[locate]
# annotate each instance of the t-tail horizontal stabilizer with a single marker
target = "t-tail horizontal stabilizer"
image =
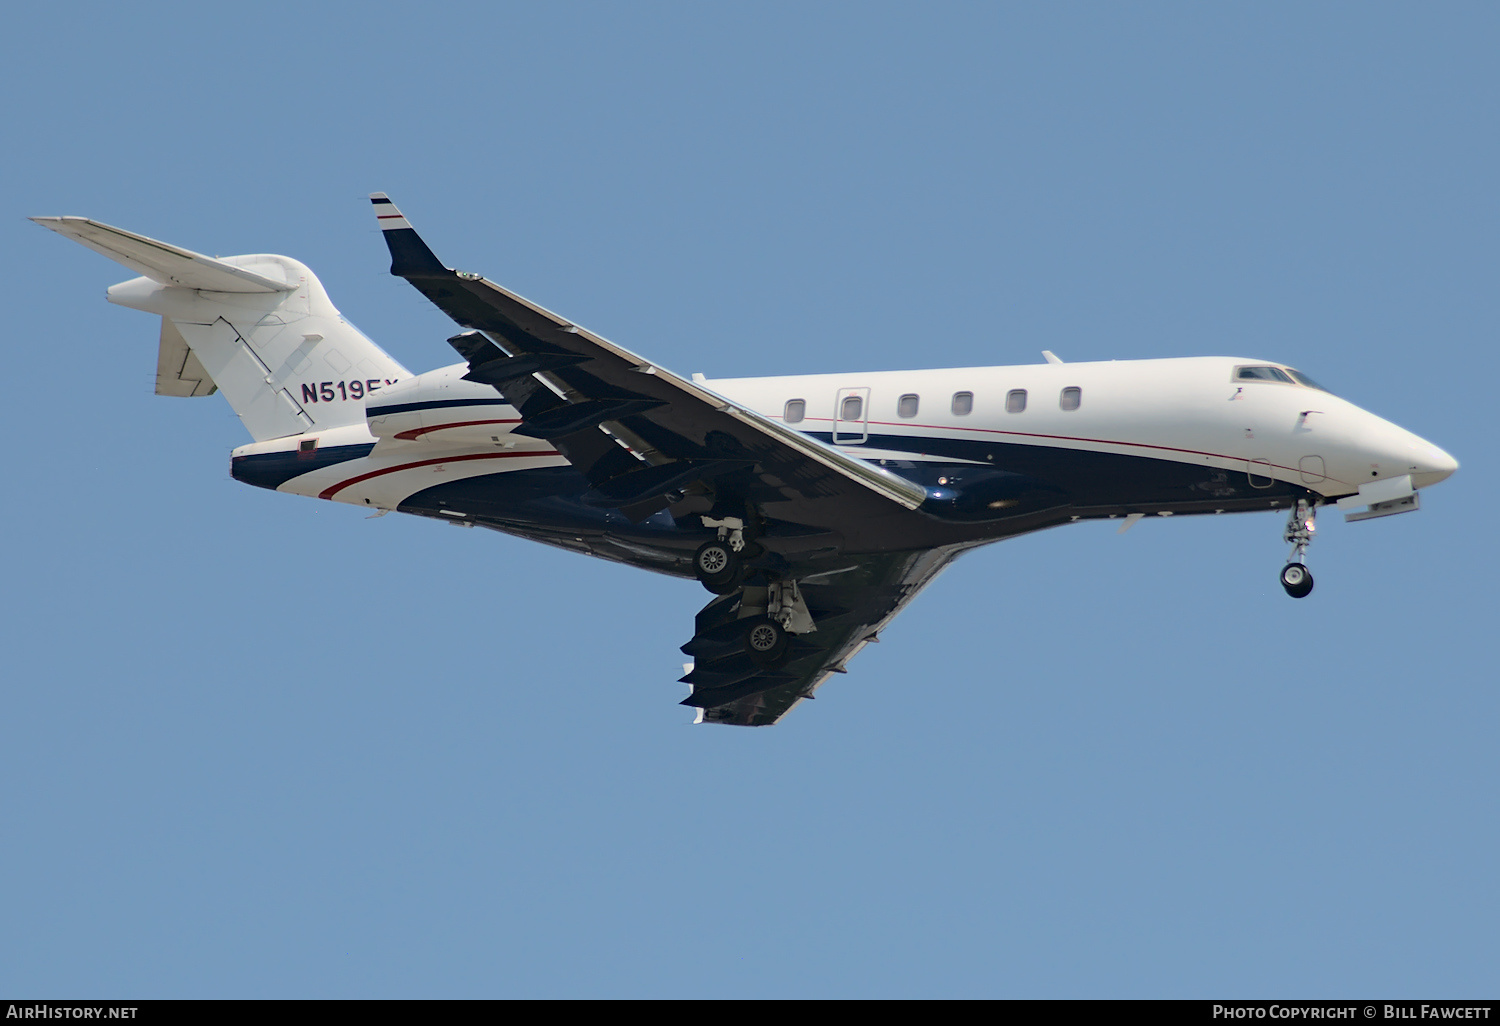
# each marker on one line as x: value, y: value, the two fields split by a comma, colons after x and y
x: 162, y: 263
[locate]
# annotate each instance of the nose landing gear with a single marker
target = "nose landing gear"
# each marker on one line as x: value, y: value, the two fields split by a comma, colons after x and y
x: 1296, y: 578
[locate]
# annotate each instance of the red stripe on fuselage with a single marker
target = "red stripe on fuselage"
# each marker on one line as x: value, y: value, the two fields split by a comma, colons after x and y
x: 330, y: 492
x: 1030, y: 434
x: 416, y: 432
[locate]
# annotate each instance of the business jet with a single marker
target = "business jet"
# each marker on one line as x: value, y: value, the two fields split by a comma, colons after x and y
x: 813, y: 507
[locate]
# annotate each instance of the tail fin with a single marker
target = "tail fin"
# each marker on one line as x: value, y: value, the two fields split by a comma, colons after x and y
x: 258, y: 328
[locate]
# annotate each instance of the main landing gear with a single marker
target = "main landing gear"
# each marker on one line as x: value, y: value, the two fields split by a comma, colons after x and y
x: 770, y: 628
x: 766, y: 641
x: 1296, y: 578
x: 718, y: 564
x: 771, y: 612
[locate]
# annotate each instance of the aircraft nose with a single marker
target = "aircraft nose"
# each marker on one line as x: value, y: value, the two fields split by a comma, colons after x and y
x: 1430, y: 464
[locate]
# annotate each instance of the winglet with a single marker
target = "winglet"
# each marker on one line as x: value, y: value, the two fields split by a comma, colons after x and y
x: 410, y: 257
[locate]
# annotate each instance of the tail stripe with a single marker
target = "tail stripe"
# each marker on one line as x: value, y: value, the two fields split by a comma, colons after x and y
x: 386, y: 213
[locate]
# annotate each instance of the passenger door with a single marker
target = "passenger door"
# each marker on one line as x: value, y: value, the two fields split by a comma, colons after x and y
x: 851, y: 416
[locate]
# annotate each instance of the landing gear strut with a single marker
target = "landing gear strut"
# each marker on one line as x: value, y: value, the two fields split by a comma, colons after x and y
x: 1296, y: 578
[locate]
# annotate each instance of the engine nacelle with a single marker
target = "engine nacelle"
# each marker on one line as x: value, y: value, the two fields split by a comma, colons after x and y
x: 440, y: 406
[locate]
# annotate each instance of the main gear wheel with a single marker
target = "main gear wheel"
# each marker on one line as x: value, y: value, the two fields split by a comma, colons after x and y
x: 767, y: 642
x: 718, y: 567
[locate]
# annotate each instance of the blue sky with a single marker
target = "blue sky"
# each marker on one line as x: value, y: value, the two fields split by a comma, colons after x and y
x: 255, y: 745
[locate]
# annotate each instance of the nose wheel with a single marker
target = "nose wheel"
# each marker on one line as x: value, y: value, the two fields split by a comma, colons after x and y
x: 1296, y: 578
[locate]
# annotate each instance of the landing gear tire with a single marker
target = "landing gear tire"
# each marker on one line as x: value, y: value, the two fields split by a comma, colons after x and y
x: 1297, y: 580
x: 718, y: 567
x: 767, y: 643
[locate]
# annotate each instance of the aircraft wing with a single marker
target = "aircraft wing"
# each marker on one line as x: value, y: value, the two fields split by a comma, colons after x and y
x: 851, y: 605
x: 646, y: 439
x: 662, y: 432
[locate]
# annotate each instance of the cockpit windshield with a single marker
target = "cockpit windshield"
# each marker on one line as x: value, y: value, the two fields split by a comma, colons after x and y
x: 1262, y: 374
x: 1303, y: 379
x: 1285, y: 375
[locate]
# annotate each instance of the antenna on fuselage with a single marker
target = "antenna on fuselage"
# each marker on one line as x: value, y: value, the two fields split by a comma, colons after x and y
x: 1051, y: 356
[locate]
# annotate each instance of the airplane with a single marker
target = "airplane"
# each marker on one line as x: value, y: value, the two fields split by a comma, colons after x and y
x: 812, y: 507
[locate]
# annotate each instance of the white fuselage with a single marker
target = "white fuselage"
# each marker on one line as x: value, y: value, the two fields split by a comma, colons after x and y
x: 1192, y: 411
x: 1189, y: 410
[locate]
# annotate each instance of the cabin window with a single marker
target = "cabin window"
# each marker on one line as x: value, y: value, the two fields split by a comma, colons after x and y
x: 1262, y: 374
x: 963, y: 403
x: 307, y: 448
x: 1015, y: 400
x: 907, y: 407
x: 1071, y: 397
x: 795, y: 410
x: 852, y: 408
